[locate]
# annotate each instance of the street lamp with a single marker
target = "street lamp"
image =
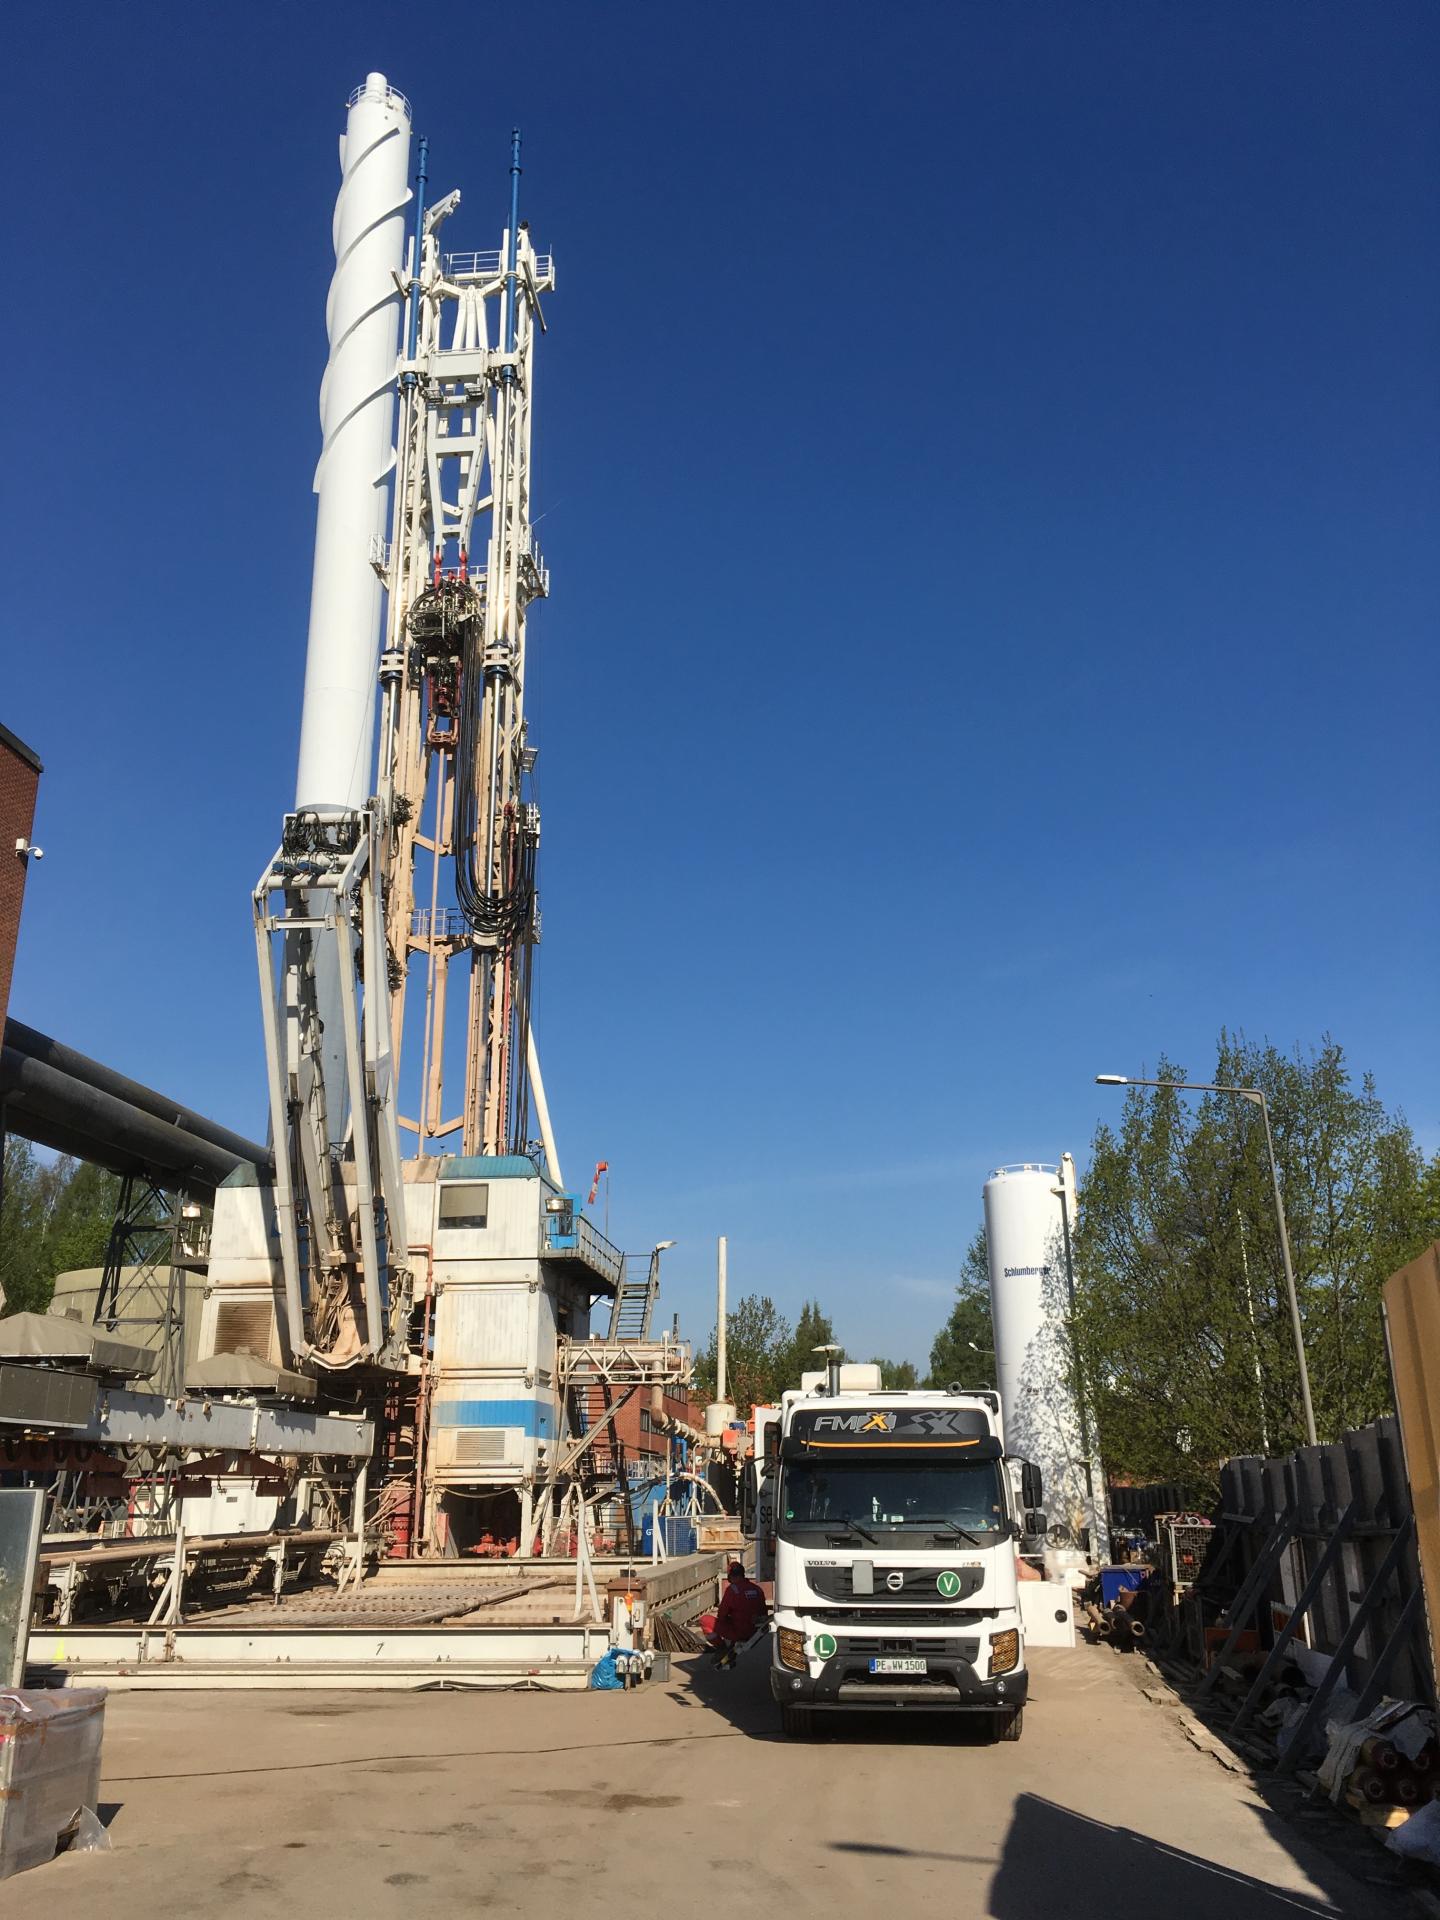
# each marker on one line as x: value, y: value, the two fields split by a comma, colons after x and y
x: 1256, y: 1097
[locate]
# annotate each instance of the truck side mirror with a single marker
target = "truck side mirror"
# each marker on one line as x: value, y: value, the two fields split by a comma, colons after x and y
x: 1032, y: 1485
x: 747, y: 1498
x: 1037, y: 1524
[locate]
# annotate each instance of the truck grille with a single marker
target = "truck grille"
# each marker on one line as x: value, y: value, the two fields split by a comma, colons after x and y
x: 913, y: 1687
x: 869, y: 1648
x: 885, y: 1617
x: 917, y: 1584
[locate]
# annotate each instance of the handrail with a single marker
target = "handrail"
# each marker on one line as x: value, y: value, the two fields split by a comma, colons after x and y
x: 393, y: 98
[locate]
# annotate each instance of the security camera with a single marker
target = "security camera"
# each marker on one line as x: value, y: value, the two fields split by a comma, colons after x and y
x: 24, y: 850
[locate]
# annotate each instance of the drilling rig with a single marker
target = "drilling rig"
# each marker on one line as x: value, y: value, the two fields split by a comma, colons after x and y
x: 449, y: 1290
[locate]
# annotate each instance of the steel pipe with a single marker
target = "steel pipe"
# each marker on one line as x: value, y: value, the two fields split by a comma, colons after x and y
x: 79, y: 1066
x: 58, y: 1110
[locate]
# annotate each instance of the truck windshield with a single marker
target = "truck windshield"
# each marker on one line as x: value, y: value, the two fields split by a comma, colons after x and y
x: 912, y: 1496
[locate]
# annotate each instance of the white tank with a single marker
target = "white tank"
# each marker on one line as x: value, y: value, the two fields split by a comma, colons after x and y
x: 1029, y: 1301
x: 357, y: 419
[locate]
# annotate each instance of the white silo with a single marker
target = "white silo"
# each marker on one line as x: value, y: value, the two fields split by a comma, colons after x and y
x: 1034, y: 1367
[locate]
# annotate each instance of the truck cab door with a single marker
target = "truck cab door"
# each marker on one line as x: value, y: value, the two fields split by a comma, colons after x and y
x: 765, y: 1468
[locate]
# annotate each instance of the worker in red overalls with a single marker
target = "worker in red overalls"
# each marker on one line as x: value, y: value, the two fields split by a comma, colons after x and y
x: 742, y: 1610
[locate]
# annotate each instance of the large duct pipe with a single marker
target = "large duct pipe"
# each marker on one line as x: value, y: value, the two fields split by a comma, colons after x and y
x: 79, y: 1066
x: 667, y: 1422
x: 357, y: 415
x: 59, y: 1110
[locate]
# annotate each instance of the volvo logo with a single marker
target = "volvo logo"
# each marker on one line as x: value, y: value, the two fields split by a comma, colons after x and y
x: 895, y: 1581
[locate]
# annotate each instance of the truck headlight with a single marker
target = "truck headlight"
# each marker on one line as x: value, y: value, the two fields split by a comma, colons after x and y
x: 1004, y: 1652
x: 792, y: 1648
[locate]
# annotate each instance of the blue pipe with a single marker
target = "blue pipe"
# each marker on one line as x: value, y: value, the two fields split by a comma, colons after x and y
x: 514, y: 239
x: 422, y: 178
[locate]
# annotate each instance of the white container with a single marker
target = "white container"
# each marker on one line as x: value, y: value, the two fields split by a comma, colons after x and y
x: 490, y: 1326
x: 718, y: 1416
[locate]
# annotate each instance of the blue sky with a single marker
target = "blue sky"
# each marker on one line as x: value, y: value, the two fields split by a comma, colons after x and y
x: 986, y: 457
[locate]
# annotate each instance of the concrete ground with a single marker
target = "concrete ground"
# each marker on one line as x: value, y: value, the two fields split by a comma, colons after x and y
x: 681, y: 1797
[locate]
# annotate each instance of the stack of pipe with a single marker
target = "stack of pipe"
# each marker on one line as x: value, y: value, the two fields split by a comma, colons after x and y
x: 1385, y: 1777
x: 1115, y: 1623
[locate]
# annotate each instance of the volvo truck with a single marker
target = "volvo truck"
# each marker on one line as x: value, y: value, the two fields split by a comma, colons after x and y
x: 890, y: 1524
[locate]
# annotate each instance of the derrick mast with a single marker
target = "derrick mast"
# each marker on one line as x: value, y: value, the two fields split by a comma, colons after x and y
x: 432, y: 851
x: 456, y: 1283
x: 463, y: 569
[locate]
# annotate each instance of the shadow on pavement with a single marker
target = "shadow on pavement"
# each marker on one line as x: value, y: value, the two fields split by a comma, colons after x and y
x: 741, y: 1695
x: 1052, y: 1859
x: 911, y: 1853
x: 1054, y: 1856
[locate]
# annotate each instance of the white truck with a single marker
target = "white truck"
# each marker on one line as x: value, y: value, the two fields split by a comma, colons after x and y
x: 889, y: 1523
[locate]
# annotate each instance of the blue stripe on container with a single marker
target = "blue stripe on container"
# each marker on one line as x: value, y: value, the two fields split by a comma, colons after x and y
x: 535, y: 1416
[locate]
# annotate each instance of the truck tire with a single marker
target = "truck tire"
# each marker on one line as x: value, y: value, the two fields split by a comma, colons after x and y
x: 797, y: 1722
x: 1009, y: 1725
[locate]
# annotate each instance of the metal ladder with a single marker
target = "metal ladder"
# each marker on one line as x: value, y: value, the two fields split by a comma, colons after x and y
x: 634, y: 1303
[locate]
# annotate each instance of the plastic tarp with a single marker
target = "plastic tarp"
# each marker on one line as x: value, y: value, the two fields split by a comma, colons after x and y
x: 50, y: 1336
x: 49, y: 1770
x: 1419, y: 1837
x: 243, y: 1372
x: 1406, y: 1725
x: 605, y: 1674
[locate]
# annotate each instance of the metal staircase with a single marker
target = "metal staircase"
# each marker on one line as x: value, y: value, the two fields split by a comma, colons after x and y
x: 634, y: 1301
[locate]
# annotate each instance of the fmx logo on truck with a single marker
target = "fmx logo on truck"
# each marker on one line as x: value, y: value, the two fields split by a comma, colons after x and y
x: 926, y: 1426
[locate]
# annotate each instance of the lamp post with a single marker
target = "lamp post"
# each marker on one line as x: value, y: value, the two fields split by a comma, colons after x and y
x: 1256, y: 1097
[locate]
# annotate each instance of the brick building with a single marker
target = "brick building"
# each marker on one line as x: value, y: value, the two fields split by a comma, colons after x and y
x: 19, y: 782
x: 643, y: 1436
x: 645, y: 1446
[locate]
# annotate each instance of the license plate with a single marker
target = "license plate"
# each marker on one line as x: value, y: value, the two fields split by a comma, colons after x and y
x: 898, y: 1666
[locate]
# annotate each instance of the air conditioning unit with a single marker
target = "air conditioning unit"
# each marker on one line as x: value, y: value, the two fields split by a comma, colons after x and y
x: 479, y: 1446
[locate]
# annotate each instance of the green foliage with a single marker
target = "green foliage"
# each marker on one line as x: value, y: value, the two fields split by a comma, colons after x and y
x: 813, y: 1329
x: 54, y: 1217
x: 897, y: 1376
x: 1182, y: 1320
x: 759, y: 1348
x: 954, y: 1356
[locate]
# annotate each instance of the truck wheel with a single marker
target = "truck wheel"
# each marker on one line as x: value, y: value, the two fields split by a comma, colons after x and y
x: 1009, y: 1726
x: 798, y: 1722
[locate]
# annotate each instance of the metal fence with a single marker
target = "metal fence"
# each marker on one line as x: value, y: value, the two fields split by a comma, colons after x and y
x: 1133, y: 1509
